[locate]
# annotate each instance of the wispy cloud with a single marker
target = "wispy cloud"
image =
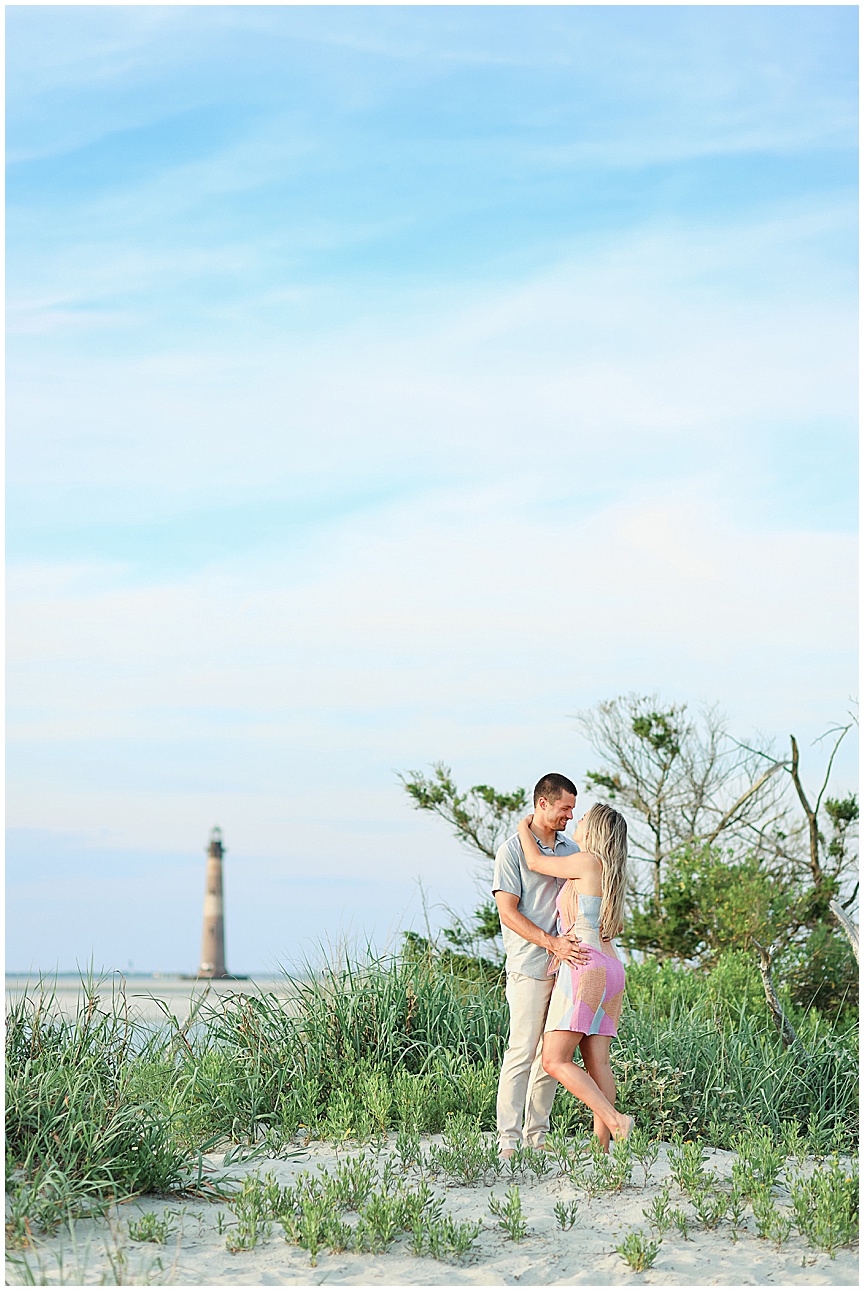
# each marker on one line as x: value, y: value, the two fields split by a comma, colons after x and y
x: 687, y: 338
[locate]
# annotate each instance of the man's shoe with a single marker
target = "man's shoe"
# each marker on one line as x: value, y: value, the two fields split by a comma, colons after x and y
x: 506, y: 1153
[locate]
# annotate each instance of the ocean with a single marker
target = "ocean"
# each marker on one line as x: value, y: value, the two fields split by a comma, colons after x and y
x: 149, y: 995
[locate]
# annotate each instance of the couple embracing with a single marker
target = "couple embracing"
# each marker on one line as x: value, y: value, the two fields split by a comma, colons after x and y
x: 561, y: 903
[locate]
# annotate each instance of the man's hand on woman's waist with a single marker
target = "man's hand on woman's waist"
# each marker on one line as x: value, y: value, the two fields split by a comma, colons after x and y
x: 568, y: 948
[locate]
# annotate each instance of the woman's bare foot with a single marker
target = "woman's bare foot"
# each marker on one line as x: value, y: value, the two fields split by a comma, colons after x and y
x: 626, y: 1124
x: 601, y: 1132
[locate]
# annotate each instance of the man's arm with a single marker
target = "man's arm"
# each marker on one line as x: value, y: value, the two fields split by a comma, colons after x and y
x: 566, y: 948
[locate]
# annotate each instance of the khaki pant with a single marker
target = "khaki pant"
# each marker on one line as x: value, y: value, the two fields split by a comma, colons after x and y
x: 525, y: 1091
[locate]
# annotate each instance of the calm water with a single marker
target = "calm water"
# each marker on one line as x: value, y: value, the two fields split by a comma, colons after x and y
x: 145, y: 993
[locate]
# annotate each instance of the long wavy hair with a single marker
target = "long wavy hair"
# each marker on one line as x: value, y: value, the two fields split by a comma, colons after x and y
x: 606, y: 838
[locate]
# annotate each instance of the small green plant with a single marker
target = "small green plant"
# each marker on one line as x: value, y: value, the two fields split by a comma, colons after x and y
x: 379, y: 1223
x: 313, y: 1225
x: 638, y: 1250
x: 257, y: 1203
x: 710, y: 1206
x: 566, y: 1213
x: 389, y: 1179
x: 443, y: 1238
x: 620, y: 1160
x: 681, y: 1222
x: 346, y: 1116
x: 376, y: 1094
x: 515, y: 1163
x: 759, y: 1160
x: 466, y: 1156
x: 825, y: 1207
x: 558, y: 1147
x: 152, y: 1228
x: 352, y: 1182
x: 408, y: 1148
x: 771, y: 1224
x: 687, y: 1167
x: 658, y: 1213
x: 311, y: 1228
x: 643, y: 1150
x: 247, y: 1234
x: 716, y: 1132
x: 338, y: 1235
x: 264, y: 1198
x: 579, y: 1158
x: 537, y: 1161
x: 794, y: 1144
x: 612, y: 1170
x: 419, y: 1203
x: 509, y: 1214
x: 737, y: 1212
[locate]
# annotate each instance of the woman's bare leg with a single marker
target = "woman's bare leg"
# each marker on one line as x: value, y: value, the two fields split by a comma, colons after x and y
x: 558, y: 1050
x: 595, y: 1055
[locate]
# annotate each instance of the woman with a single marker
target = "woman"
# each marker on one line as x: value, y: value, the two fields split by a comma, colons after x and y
x: 586, y: 1002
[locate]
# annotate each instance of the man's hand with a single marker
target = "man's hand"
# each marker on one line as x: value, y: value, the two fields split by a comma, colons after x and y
x: 568, y: 949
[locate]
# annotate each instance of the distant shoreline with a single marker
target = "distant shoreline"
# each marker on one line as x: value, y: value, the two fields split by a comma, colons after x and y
x: 40, y: 974
x: 149, y: 994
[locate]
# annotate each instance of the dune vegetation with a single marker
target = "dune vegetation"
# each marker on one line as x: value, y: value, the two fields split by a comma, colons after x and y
x: 102, y: 1107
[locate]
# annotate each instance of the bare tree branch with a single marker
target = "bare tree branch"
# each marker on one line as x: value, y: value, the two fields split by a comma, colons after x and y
x: 784, y: 1026
x: 729, y: 816
x: 843, y: 732
x: 810, y: 814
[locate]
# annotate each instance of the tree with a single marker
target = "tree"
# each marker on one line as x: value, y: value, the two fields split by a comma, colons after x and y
x: 481, y: 818
x: 711, y: 901
x: 682, y: 781
x: 829, y: 861
x: 740, y: 856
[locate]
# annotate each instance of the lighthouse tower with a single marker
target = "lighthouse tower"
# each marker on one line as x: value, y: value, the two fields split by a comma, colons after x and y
x: 213, y: 935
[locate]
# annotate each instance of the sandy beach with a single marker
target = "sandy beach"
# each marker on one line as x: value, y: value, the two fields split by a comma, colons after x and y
x: 195, y: 1253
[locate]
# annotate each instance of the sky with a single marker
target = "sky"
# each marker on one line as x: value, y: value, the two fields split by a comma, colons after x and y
x: 388, y: 385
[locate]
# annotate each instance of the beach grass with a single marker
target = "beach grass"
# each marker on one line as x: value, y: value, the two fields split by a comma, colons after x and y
x: 100, y: 1107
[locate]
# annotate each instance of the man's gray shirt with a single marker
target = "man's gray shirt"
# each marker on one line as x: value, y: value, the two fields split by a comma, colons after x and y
x: 536, y: 893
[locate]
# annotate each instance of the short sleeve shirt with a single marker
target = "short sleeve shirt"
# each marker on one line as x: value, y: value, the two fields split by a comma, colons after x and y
x: 536, y: 893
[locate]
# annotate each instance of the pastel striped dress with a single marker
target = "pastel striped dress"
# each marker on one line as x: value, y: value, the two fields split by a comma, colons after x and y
x: 586, y: 997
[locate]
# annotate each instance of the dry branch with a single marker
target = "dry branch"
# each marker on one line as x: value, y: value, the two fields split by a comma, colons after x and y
x: 784, y: 1026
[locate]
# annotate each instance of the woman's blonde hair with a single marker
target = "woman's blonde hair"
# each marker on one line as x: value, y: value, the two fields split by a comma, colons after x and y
x: 606, y: 838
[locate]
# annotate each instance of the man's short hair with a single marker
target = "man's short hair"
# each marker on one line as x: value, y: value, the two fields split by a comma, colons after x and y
x: 552, y: 786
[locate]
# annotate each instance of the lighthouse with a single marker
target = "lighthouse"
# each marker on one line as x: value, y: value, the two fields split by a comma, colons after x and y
x: 213, y: 934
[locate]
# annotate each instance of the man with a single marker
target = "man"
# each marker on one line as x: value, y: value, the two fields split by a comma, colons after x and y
x: 526, y: 905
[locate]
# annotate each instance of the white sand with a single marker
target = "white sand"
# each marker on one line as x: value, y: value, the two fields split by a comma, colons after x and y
x: 582, y: 1255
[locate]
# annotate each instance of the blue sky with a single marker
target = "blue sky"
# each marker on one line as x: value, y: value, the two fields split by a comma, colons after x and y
x: 386, y: 385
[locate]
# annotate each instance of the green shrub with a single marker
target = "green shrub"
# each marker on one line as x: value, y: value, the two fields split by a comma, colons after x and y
x: 825, y: 1206
x: 152, y: 1228
x: 508, y: 1212
x: 639, y: 1251
x: 771, y: 1224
